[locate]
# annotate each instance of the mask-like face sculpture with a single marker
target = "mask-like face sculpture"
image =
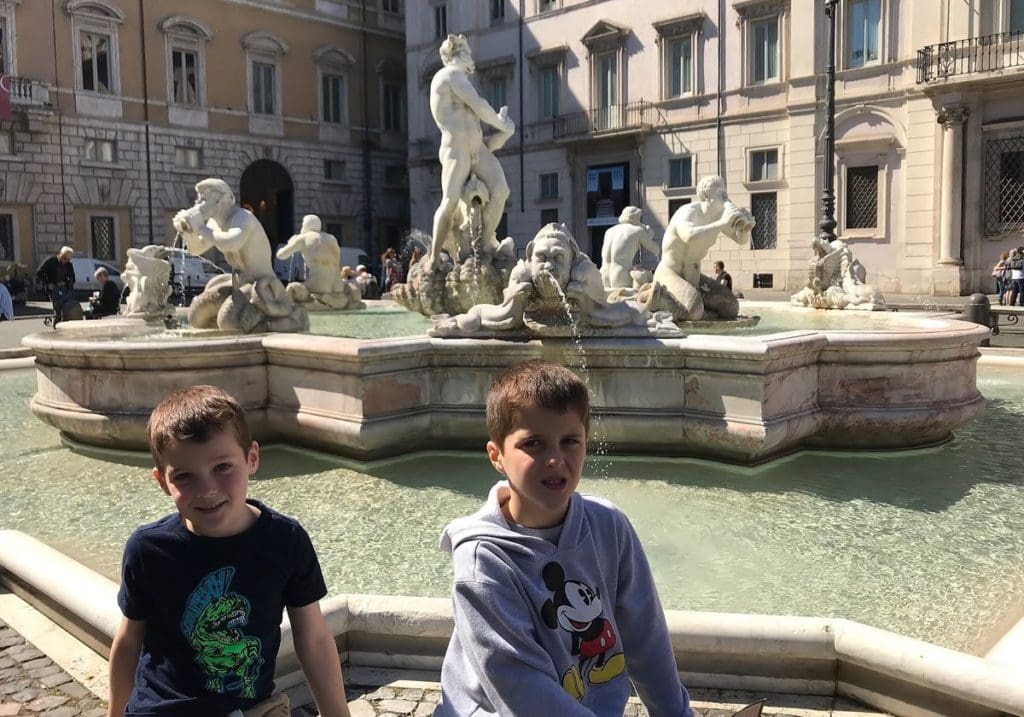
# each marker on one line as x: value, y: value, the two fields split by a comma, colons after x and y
x: 550, y: 263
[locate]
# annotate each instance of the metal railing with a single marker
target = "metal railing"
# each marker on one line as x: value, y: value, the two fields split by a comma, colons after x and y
x: 1000, y: 51
x: 614, y: 118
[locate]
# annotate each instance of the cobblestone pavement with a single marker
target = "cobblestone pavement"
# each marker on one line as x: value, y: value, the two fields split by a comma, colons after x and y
x: 32, y: 684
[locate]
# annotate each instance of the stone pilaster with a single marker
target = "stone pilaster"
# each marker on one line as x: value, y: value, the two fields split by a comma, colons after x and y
x: 952, y: 118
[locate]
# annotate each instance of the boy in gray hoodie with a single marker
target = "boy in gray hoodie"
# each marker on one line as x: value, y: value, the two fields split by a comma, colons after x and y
x: 555, y: 607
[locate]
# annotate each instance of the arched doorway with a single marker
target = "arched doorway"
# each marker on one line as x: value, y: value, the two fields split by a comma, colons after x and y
x: 266, y: 191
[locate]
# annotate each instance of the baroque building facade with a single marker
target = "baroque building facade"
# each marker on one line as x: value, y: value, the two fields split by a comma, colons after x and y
x: 119, y: 107
x: 619, y: 103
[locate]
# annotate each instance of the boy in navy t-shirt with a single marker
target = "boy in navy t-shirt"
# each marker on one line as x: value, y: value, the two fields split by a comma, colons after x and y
x: 203, y: 590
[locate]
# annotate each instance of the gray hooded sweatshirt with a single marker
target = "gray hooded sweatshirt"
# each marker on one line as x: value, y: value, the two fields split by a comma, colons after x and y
x: 544, y: 629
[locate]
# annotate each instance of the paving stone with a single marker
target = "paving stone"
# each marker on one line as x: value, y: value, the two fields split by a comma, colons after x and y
x: 425, y: 709
x: 402, y: 707
x: 361, y: 708
x: 10, y: 683
x: 6, y: 662
x: 9, y: 709
x: 59, y: 678
x: 44, y: 671
x: 381, y: 693
x: 36, y: 664
x: 98, y: 712
x: 26, y: 654
x: 26, y: 695
x: 62, y: 712
x: 47, y: 702
x: 76, y: 691
x: 6, y: 642
x: 410, y: 693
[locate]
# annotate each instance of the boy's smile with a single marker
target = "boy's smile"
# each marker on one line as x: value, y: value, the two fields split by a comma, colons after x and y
x: 209, y: 483
x: 543, y: 459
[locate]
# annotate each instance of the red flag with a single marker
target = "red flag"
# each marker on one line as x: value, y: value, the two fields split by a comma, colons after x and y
x: 5, y: 96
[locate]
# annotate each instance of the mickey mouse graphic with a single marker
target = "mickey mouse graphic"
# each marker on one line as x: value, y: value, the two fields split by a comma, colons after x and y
x: 576, y: 608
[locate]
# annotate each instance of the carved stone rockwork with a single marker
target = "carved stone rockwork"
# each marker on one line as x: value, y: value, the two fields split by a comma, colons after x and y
x: 147, y: 275
x: 836, y: 280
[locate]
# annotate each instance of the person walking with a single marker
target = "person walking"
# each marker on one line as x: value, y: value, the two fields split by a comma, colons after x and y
x: 57, y: 274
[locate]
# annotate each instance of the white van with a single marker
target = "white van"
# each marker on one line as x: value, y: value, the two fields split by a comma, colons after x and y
x: 294, y: 267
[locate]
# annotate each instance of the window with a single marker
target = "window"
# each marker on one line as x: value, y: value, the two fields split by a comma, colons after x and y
x: 7, y: 237
x: 764, y: 207
x: 95, y: 62
x: 1002, y: 16
x: 6, y: 143
x: 332, y: 96
x: 764, y: 50
x: 440, y: 21
x: 1004, y: 185
x: 393, y: 107
x: 186, y: 157
x: 546, y: 5
x: 396, y: 175
x: 186, y: 46
x: 335, y: 228
x: 334, y: 169
x: 548, y: 216
x: 394, y: 7
x: 764, y: 165
x: 607, y: 83
x: 101, y: 237
x: 549, y: 186
x: 100, y: 150
x: 5, y: 63
x: 862, y: 197
x: 863, y: 31
x: 497, y: 90
x: 264, y: 88
x: 675, y: 204
x: 680, y: 67
x: 502, y: 230
x: 680, y: 172
x: 94, y: 44
x: 184, y: 74
x: 497, y: 11
x: 549, y: 91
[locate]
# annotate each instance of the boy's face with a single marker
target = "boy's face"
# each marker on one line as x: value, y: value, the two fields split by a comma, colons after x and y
x: 208, y: 483
x: 543, y: 459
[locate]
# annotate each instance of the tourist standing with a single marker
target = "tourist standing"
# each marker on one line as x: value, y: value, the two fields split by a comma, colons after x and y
x: 722, y: 276
x: 58, y: 276
x: 6, y: 304
x: 1016, y: 290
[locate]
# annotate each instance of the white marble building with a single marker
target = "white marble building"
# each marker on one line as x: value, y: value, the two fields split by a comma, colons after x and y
x: 621, y: 102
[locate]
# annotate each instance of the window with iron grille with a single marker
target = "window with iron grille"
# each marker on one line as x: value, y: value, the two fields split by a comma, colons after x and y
x: 680, y: 172
x: 101, y: 236
x: 549, y: 186
x: 6, y: 237
x: 862, y: 197
x: 1004, y: 185
x: 548, y: 216
x: 764, y: 207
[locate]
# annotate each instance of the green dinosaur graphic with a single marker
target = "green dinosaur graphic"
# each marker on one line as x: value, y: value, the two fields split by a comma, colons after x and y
x: 230, y: 661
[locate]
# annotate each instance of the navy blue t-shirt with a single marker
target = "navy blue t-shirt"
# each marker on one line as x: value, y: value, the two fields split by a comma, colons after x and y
x: 213, y: 610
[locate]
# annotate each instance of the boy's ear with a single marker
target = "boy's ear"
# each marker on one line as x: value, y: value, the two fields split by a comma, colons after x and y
x: 494, y: 453
x: 253, y: 458
x: 161, y: 479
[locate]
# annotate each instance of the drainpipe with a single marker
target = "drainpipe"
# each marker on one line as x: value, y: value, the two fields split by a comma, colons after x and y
x: 60, y: 131
x: 522, y: 116
x: 719, y: 129
x: 145, y: 118
x: 367, y: 164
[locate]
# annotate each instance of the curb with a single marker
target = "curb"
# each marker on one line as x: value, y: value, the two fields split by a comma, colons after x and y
x: 16, y: 353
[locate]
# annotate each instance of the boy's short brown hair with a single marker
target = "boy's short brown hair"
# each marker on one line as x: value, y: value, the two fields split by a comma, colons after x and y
x: 196, y: 413
x: 534, y: 383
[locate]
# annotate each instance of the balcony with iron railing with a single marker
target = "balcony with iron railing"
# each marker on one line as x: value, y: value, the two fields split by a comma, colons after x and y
x: 989, y: 54
x: 614, y: 119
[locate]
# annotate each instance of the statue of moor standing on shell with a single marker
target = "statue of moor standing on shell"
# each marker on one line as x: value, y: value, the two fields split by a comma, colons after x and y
x: 251, y: 299
x: 324, y: 287
x: 474, y: 192
x: 621, y: 243
x: 679, y: 287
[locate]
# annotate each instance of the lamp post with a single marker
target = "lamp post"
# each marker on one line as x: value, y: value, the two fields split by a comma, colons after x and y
x: 827, y: 225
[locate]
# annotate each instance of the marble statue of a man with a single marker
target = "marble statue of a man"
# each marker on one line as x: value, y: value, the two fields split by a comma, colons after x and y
x: 324, y: 287
x: 458, y: 110
x: 251, y: 298
x: 621, y: 243
x: 679, y: 287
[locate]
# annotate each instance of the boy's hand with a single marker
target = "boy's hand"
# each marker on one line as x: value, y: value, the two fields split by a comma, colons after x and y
x: 124, y: 659
x: 318, y: 655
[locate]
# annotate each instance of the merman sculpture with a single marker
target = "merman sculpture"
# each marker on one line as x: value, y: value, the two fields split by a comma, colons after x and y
x: 250, y: 299
x: 324, y: 287
x: 836, y: 280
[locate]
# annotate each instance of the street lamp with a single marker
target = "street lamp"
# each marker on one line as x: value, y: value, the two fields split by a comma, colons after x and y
x: 827, y: 225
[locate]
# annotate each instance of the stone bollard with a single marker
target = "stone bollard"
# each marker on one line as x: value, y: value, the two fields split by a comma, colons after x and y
x: 979, y: 311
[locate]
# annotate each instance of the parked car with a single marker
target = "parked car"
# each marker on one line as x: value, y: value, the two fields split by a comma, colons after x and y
x: 85, y: 280
x: 294, y: 267
x: 192, y: 272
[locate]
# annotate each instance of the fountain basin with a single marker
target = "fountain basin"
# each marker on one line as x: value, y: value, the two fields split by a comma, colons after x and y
x: 908, y: 381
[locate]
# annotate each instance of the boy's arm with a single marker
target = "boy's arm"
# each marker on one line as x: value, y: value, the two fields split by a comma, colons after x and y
x: 641, y: 620
x: 124, y: 659
x: 318, y: 655
x: 511, y: 667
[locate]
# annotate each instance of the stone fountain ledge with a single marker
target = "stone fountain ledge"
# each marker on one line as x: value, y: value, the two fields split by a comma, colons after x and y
x: 909, y: 381
x: 761, y: 653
